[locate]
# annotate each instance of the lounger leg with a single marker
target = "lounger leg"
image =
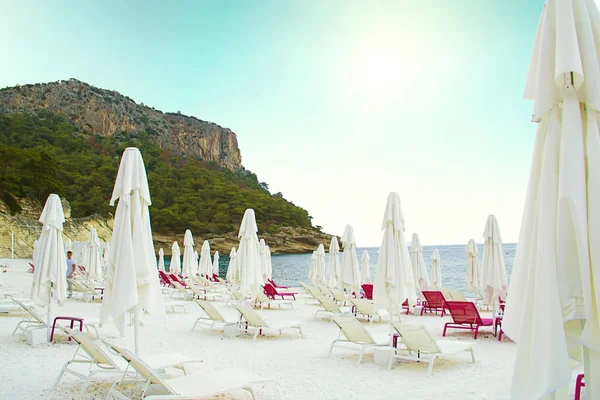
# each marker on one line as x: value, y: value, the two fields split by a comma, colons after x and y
x: 249, y: 390
x: 195, y: 323
x: 301, y: 333
x: 472, y: 355
x: 256, y: 334
x: 431, y: 365
x: 331, y: 347
x: 362, y: 353
x: 445, y: 327
x: 62, y: 372
x: 85, y: 385
x: 476, y: 332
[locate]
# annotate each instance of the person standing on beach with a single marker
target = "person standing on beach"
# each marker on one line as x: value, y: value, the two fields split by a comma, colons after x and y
x: 70, y: 270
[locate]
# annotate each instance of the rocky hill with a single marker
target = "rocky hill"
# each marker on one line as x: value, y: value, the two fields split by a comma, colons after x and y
x: 106, y: 113
x: 66, y: 137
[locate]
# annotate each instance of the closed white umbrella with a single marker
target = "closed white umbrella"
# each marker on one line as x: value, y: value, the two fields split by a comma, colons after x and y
x: 68, y: 245
x: 248, y: 259
x: 320, y: 263
x: 131, y: 278
x: 35, y: 242
x: 94, y: 267
x: 49, y: 277
x: 472, y: 266
x: 394, y: 281
x: 205, y: 265
x: 215, y: 266
x: 312, y: 271
x: 493, y: 282
x: 262, y: 251
x: 553, y: 303
x: 197, y: 261
x: 161, y: 259
x: 105, y: 253
x: 334, y: 265
x: 189, y: 266
x: 350, y: 267
x: 175, y: 265
x: 232, y: 270
x: 269, y: 264
x: 365, y: 268
x: 436, y: 269
x: 418, y: 264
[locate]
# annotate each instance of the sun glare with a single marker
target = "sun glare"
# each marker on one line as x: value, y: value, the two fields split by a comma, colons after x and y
x: 385, y: 71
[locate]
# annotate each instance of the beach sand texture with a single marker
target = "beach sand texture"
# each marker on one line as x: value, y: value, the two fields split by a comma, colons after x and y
x: 300, y: 367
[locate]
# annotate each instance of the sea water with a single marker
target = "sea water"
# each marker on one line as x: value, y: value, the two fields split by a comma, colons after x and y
x: 289, y: 269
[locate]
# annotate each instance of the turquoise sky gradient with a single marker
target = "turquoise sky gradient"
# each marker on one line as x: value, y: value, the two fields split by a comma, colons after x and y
x: 335, y: 103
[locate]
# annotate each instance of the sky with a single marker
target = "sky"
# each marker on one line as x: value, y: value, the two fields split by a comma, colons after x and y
x: 335, y: 103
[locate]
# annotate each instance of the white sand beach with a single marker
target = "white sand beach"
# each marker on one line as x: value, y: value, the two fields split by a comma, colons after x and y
x: 300, y: 367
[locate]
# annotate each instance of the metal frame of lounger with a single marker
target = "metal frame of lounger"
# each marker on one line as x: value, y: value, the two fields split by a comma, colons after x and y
x: 366, y: 309
x: 417, y: 339
x: 311, y: 292
x: 92, y: 355
x: 30, y: 320
x: 173, y: 388
x: 262, y: 300
x: 255, y: 321
x: 356, y: 335
x: 329, y: 306
x: 214, y: 316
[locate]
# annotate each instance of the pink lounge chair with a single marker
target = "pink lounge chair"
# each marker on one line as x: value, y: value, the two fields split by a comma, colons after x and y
x: 164, y: 279
x: 271, y: 292
x: 434, y: 302
x: 579, y: 383
x: 272, y: 282
x: 368, y: 289
x: 31, y: 269
x: 465, y: 316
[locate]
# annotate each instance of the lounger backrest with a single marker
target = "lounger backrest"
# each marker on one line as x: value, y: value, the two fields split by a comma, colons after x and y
x: 237, y: 294
x: 210, y: 310
x: 30, y: 311
x: 364, y: 306
x: 91, y: 348
x: 147, y: 374
x: 464, y: 312
x: 175, y: 278
x: 324, y: 290
x: 417, y: 338
x: 251, y: 316
x: 261, y: 298
x: 270, y: 289
x: 328, y: 304
x: 368, y: 288
x: 353, y: 330
x: 179, y: 287
x: 435, y: 299
x: 338, y: 294
x: 446, y: 294
x: 457, y: 295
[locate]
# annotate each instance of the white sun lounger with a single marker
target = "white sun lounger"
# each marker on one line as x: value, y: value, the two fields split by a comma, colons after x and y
x: 422, y: 346
x: 255, y: 321
x: 204, y: 384
x: 365, y: 308
x: 31, y: 319
x: 355, y: 335
x: 330, y: 307
x: 211, y: 316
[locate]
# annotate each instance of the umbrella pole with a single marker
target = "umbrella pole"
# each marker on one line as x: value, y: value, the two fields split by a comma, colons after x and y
x: 136, y: 327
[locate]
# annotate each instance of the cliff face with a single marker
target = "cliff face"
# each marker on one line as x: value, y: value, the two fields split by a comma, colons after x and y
x: 106, y: 113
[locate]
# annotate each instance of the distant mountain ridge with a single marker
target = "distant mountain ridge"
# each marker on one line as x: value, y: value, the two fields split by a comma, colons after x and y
x: 107, y: 113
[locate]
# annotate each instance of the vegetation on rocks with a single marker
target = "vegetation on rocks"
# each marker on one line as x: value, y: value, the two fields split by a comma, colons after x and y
x: 45, y: 153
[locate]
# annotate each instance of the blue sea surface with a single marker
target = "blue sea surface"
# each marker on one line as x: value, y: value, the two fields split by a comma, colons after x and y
x: 289, y: 269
